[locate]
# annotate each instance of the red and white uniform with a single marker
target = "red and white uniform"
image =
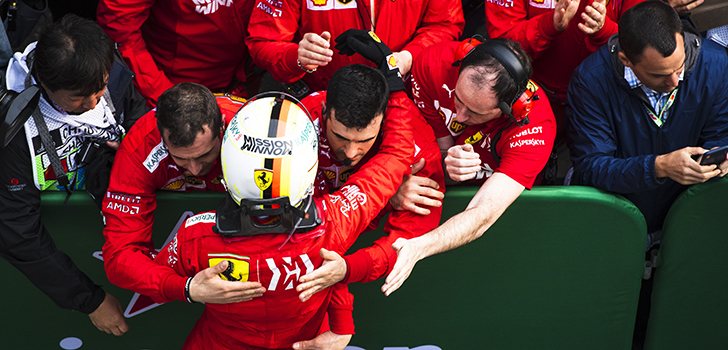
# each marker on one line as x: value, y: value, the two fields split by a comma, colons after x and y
x: 555, y: 55
x: 278, y: 318
x: 276, y: 27
x: 142, y: 167
x: 172, y: 41
x: 376, y: 261
x: 523, y: 150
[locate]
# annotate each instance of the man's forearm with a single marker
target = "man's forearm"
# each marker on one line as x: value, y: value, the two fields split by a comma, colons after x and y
x: 457, y: 231
x: 488, y: 204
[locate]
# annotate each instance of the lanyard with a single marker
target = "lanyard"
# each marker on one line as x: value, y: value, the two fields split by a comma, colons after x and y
x: 660, y: 119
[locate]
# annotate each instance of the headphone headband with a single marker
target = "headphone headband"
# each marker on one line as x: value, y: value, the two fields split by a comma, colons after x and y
x: 513, y: 65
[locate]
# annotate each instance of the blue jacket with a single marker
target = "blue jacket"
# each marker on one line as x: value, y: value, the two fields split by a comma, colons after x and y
x: 614, y: 143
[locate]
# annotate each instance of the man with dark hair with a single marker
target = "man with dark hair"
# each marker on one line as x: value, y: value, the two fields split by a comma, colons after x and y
x: 645, y: 107
x: 80, y: 107
x: 175, y: 148
x: 187, y: 116
x: 358, y: 94
x: 185, y: 111
x: 349, y: 125
x: 496, y: 127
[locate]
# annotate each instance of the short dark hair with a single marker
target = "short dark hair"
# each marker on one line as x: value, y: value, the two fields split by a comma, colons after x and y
x: 73, y: 54
x: 358, y: 94
x: 505, y: 86
x: 184, y: 110
x: 651, y: 23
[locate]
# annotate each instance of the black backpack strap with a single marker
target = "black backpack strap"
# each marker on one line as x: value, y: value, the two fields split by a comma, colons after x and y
x: 50, y: 148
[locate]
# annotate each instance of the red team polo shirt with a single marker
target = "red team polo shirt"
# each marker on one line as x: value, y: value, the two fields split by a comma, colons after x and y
x: 277, y: 26
x: 378, y: 260
x: 523, y: 150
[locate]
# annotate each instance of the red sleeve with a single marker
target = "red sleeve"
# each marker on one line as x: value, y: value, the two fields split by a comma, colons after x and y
x: 169, y: 256
x: 180, y: 254
x: 122, y: 20
x: 593, y: 42
x: 442, y: 22
x: 525, y: 150
x: 351, y: 208
x: 271, y: 38
x: 128, y: 209
x: 341, y: 308
x: 421, y: 93
x: 378, y: 260
x: 533, y: 34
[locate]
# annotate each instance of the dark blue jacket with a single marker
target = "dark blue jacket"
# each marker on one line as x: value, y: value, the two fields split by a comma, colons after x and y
x: 614, y: 143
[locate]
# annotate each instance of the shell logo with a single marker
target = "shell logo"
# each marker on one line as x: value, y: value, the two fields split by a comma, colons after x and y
x: 175, y: 185
x: 392, y: 62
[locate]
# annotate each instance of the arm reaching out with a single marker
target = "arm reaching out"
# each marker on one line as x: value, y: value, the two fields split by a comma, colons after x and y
x: 488, y: 204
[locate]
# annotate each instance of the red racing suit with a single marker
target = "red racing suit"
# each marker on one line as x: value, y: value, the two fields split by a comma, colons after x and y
x: 378, y: 260
x: 278, y: 318
x: 521, y: 152
x: 276, y: 27
x: 142, y: 167
x: 172, y: 41
x: 555, y: 55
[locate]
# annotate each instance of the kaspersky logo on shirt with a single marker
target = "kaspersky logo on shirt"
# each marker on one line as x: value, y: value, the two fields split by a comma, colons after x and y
x: 207, y: 7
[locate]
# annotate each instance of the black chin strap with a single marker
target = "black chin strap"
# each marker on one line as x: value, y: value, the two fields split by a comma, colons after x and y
x: 265, y: 216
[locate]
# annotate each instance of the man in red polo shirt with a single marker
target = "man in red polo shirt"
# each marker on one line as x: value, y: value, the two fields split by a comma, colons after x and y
x: 496, y: 127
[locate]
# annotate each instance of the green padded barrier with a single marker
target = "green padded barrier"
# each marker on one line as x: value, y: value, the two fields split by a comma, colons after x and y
x: 30, y: 320
x: 690, y: 292
x: 560, y: 270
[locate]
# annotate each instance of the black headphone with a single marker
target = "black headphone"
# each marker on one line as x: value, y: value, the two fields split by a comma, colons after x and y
x: 498, y: 49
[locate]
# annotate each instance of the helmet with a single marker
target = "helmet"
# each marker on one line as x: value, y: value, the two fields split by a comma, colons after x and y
x: 270, y: 150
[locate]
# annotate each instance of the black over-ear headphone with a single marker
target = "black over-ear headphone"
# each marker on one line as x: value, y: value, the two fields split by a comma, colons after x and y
x: 518, y: 108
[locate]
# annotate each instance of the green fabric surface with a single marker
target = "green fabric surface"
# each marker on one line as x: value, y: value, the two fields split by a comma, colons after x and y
x: 689, y: 308
x: 560, y: 270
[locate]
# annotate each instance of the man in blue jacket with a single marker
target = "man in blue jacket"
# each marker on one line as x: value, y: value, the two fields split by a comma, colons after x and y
x: 643, y: 105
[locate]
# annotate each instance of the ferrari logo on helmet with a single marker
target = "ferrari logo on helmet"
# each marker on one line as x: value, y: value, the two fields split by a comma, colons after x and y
x: 263, y: 178
x: 238, y: 267
x: 319, y: 2
x: 375, y: 37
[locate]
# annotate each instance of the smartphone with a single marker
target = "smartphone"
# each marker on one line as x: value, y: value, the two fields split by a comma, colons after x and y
x: 714, y: 156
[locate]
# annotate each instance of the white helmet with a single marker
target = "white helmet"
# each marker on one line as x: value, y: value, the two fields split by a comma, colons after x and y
x: 270, y: 150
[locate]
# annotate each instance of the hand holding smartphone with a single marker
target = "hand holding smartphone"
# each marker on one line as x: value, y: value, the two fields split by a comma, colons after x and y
x: 714, y: 156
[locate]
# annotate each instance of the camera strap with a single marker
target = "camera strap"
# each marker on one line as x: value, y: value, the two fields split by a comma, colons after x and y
x: 110, y: 104
x: 50, y: 147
